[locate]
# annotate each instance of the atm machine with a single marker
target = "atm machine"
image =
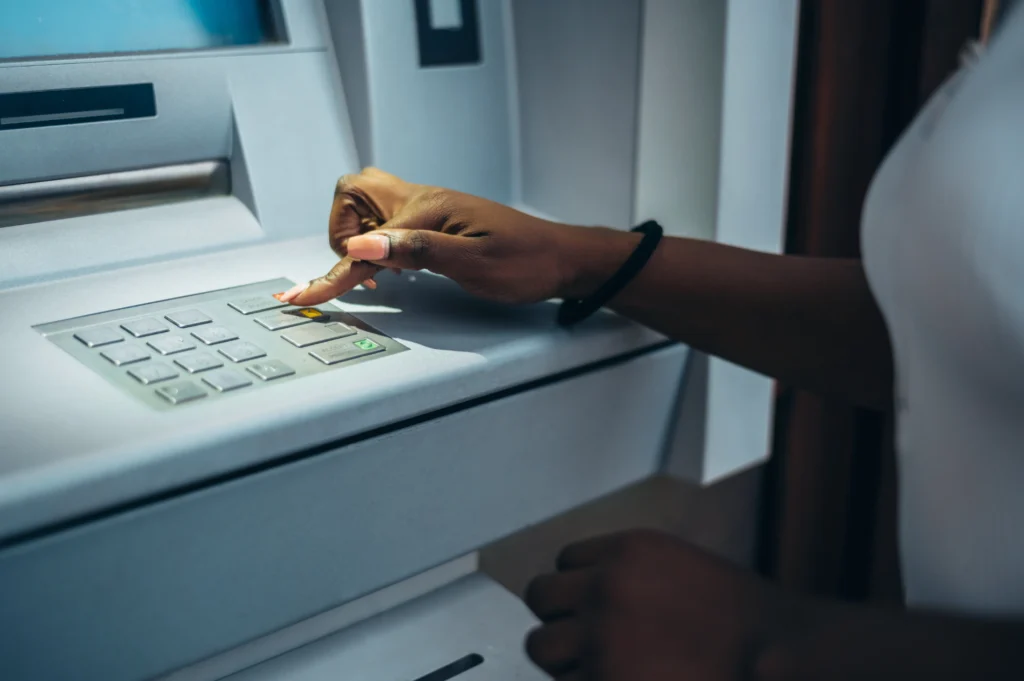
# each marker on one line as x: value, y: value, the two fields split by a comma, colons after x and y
x: 197, y: 483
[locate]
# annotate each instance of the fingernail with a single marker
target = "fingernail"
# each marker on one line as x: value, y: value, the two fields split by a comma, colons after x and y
x: 370, y: 284
x: 370, y: 247
x: 289, y: 295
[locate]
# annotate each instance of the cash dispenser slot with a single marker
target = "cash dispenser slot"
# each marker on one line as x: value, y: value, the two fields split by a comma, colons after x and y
x: 108, y: 192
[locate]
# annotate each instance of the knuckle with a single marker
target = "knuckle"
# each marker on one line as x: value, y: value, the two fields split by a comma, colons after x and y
x: 343, y: 184
x: 418, y: 248
x: 440, y: 205
x: 488, y: 247
x: 437, y: 197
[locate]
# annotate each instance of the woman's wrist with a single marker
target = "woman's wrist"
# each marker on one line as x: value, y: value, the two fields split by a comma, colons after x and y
x: 590, y: 256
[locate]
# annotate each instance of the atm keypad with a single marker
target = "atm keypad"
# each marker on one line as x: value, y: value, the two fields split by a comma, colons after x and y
x: 211, y: 346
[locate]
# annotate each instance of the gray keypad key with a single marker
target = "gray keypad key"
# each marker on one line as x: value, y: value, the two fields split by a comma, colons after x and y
x: 211, y: 335
x: 170, y: 345
x: 342, y: 351
x: 270, y: 369
x: 242, y: 351
x: 185, y: 319
x: 284, y: 319
x: 99, y: 336
x: 179, y: 393
x: 311, y: 334
x: 256, y: 304
x: 198, y: 362
x: 147, y: 326
x: 125, y: 354
x: 148, y: 374
x: 224, y: 380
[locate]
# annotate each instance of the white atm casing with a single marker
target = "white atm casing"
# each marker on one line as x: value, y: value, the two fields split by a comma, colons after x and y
x: 136, y: 544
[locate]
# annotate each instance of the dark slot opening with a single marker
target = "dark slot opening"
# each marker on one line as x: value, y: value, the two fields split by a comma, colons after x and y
x: 76, y: 105
x: 450, y: 671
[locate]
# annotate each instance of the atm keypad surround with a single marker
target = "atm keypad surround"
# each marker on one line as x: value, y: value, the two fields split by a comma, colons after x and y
x: 210, y: 346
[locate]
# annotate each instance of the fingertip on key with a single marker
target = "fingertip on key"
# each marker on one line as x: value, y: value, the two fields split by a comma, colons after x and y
x: 290, y: 295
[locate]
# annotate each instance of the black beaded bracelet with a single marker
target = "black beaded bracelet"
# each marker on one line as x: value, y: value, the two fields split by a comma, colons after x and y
x: 574, y: 311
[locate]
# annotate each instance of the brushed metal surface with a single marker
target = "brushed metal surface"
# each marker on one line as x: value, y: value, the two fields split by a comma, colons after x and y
x: 32, y: 202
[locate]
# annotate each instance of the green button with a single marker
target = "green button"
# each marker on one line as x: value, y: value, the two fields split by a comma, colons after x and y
x: 366, y: 344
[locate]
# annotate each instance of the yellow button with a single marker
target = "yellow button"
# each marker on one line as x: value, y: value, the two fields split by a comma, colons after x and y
x: 311, y: 313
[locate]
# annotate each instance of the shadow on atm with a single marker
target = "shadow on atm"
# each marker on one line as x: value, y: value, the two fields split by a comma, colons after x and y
x: 449, y: 318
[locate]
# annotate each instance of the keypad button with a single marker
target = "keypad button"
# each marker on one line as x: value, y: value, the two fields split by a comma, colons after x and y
x: 170, y: 345
x: 147, y: 326
x: 198, y: 362
x: 99, y: 336
x: 367, y: 345
x: 242, y: 351
x: 179, y: 393
x: 312, y: 334
x: 311, y: 313
x: 224, y: 380
x: 270, y: 369
x: 125, y: 354
x: 283, y: 319
x: 212, y: 335
x: 256, y: 304
x: 342, y: 351
x: 148, y: 374
x: 186, y: 319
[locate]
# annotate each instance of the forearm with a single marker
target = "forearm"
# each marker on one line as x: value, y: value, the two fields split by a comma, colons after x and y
x: 860, y: 644
x: 809, y: 322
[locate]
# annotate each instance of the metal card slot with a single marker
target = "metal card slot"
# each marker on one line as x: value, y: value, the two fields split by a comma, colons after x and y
x: 76, y: 105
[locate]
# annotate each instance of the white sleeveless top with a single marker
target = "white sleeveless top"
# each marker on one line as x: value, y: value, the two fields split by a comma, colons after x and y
x: 943, y: 235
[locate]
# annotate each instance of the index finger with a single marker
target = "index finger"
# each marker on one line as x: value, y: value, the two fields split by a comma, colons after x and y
x: 342, y: 278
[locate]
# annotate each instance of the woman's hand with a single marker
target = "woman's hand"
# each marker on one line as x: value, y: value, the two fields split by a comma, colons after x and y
x: 379, y: 221
x: 645, y: 606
